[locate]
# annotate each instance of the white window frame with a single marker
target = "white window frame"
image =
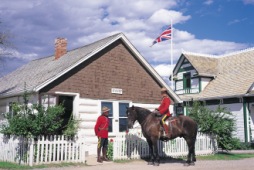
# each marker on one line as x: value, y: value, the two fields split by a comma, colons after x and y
x: 115, y: 112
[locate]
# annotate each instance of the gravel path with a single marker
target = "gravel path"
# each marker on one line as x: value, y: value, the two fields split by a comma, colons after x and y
x: 174, y: 164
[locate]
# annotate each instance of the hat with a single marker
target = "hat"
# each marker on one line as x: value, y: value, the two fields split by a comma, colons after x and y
x: 163, y: 89
x: 105, y: 109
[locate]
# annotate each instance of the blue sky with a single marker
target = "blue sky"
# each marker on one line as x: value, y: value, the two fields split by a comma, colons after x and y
x: 201, y: 26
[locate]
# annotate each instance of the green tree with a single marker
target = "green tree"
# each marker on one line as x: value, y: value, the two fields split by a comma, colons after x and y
x: 5, y: 42
x: 219, y: 123
x: 35, y: 120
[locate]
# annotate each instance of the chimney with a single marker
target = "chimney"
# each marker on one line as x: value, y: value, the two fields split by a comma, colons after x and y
x: 60, y: 47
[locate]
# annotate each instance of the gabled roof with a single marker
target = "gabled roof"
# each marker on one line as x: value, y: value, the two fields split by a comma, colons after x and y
x: 233, y: 74
x: 39, y: 73
x: 204, y: 65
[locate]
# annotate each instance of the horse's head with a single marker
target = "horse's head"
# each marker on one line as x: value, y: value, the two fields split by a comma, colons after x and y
x: 131, y: 115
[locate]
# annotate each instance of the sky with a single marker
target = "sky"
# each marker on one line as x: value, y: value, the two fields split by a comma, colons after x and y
x: 213, y: 27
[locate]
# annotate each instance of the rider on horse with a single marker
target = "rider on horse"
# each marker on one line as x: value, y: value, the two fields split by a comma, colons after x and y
x: 163, y: 110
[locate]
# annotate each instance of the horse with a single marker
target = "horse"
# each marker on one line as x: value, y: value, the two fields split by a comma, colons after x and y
x: 180, y: 126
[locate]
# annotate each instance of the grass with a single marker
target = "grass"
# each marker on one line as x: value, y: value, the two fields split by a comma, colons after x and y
x: 8, y: 165
x: 225, y: 156
x: 219, y: 156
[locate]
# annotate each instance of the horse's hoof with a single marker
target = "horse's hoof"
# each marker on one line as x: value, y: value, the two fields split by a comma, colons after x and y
x: 150, y: 163
x: 156, y: 164
x: 186, y: 164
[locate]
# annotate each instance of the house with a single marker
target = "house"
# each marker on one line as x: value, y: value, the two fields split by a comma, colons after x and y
x: 226, y: 80
x: 109, y: 72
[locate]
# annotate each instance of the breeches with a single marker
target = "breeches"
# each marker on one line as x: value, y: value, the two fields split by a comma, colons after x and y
x: 102, y: 142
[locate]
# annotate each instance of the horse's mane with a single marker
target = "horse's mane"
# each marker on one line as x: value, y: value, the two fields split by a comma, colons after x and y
x: 143, y: 112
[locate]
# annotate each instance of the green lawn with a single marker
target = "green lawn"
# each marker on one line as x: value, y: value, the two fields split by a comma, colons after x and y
x: 8, y: 165
x: 219, y: 156
x: 225, y: 156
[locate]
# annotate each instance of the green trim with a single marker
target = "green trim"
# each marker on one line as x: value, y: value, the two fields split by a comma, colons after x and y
x: 200, y: 85
x: 231, y: 100
x: 245, y: 121
x: 212, y: 102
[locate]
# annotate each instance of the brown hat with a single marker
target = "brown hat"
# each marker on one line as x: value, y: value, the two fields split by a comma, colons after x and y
x: 163, y: 89
x: 105, y: 109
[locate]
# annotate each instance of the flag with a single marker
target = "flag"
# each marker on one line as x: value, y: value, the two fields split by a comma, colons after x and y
x: 165, y: 35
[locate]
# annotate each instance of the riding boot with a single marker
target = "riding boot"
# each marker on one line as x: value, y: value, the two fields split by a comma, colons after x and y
x: 165, y: 127
x: 104, y: 152
x: 99, y: 155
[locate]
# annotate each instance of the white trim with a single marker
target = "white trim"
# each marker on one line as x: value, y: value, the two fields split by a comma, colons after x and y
x: 133, y: 49
x: 75, y: 102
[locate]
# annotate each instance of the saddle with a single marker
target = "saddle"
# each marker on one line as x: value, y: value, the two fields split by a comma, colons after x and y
x: 169, y: 124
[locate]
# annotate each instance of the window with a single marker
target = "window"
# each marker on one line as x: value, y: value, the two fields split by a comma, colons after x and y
x: 187, y: 82
x: 117, y: 115
x: 110, y: 116
x: 122, y: 117
x: 11, y: 112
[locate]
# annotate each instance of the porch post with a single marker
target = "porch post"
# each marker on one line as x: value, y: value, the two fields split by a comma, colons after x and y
x: 245, y: 119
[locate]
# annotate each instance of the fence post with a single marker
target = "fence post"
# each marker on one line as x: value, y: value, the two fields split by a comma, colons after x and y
x: 31, y: 150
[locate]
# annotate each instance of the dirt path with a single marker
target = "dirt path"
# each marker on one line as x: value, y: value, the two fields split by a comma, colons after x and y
x: 244, y: 164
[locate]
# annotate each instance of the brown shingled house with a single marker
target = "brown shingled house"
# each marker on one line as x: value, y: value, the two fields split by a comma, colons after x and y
x: 109, y: 72
x: 227, y: 80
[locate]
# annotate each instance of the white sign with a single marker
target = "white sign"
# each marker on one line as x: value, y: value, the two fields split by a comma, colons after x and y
x: 117, y: 91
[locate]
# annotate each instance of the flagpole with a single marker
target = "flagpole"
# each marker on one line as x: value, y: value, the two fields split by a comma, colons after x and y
x: 171, y: 55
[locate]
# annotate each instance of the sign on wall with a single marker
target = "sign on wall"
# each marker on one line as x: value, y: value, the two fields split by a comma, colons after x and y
x: 116, y: 91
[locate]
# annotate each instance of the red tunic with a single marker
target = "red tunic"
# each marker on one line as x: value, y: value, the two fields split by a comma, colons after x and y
x: 101, y: 127
x: 164, y: 107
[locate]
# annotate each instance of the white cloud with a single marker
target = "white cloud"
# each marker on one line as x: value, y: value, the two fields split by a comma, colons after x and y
x: 208, y: 2
x: 37, y: 23
x: 165, y: 16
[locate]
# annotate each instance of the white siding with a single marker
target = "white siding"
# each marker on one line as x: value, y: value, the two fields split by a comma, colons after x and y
x: 204, y: 83
x: 4, y: 104
x: 237, y: 110
x: 179, y: 85
x: 89, y: 110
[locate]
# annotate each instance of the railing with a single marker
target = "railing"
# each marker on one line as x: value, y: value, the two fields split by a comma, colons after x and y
x: 51, y: 149
x: 187, y: 91
x: 134, y: 146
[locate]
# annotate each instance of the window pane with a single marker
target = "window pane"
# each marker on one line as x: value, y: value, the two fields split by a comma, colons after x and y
x: 122, y: 109
x: 122, y: 124
x: 108, y: 105
x: 110, y: 125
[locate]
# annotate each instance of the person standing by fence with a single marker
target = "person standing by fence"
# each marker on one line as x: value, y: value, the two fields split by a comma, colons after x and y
x: 101, y: 131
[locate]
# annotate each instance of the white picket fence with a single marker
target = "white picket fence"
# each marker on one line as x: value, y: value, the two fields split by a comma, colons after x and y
x: 134, y: 146
x: 51, y: 149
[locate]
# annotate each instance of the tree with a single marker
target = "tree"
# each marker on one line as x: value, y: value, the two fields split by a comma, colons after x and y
x: 35, y: 120
x: 219, y: 123
x: 5, y: 43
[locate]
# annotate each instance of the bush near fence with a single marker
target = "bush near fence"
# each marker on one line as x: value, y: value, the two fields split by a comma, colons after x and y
x: 134, y: 146
x: 41, y: 150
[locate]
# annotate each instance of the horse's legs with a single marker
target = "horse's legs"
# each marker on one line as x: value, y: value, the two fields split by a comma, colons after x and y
x: 157, y: 157
x: 191, y: 155
x: 150, y: 144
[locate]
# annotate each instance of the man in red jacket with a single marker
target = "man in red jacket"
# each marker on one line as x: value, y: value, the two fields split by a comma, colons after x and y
x: 164, y: 109
x: 101, y: 131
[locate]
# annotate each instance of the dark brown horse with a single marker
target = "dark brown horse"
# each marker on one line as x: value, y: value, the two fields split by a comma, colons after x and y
x: 181, y: 126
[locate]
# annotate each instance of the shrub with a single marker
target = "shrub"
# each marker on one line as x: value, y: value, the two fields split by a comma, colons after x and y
x: 219, y: 123
x: 110, y: 150
x: 35, y: 120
